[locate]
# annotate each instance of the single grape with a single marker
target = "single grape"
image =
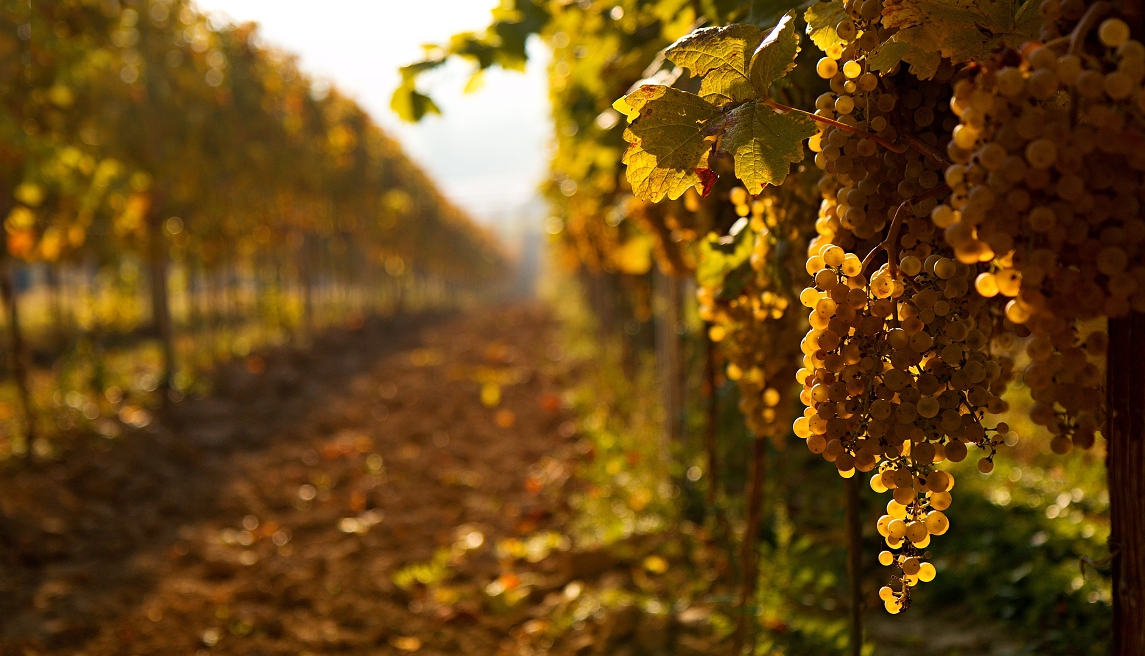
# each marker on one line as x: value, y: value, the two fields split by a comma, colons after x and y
x: 827, y: 68
x: 1113, y: 32
x: 846, y: 29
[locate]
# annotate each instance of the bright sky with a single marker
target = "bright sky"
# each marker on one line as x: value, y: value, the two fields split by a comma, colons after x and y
x: 487, y: 151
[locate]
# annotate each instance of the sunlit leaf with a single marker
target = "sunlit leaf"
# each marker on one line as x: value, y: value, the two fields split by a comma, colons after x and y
x: 670, y: 138
x: 958, y: 30
x: 411, y: 105
x: 884, y: 57
x: 719, y: 256
x: 765, y: 143
x: 822, y: 17
x: 775, y: 55
x: 721, y: 56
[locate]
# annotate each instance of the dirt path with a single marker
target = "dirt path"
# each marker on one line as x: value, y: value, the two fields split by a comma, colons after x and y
x: 272, y: 518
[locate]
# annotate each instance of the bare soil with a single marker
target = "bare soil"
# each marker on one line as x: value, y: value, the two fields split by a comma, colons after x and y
x: 272, y: 517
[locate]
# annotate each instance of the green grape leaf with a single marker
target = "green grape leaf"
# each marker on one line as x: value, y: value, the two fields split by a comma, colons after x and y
x: 720, y: 56
x: 923, y: 62
x: 884, y: 57
x: 959, y: 30
x: 1028, y: 19
x: 410, y: 105
x: 670, y: 136
x: 766, y: 12
x: 735, y: 281
x: 765, y: 143
x: 621, y: 105
x: 775, y: 55
x: 719, y: 257
x: 822, y: 17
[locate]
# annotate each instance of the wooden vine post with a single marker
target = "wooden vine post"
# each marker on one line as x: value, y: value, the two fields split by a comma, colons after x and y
x: 17, y: 346
x: 9, y: 295
x: 160, y: 298
x: 666, y: 288
x: 854, y: 530
x: 749, y: 554
x: 711, y: 420
x: 1125, y: 455
x: 1125, y: 460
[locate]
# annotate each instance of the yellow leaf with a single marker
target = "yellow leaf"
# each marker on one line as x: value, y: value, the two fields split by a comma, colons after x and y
x: 61, y: 96
x: 77, y: 235
x: 30, y: 194
x: 140, y: 181
x: 655, y: 564
x: 634, y: 257
x: 51, y: 244
x: 21, y: 242
x: 406, y: 643
x: 490, y: 395
x: 20, y: 218
x: 639, y: 499
x: 669, y: 142
x: 476, y: 81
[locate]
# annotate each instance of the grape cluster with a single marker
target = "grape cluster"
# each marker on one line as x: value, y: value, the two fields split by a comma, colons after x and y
x: 756, y: 328
x: 866, y: 183
x: 1047, y: 185
x: 898, y: 373
x: 898, y: 377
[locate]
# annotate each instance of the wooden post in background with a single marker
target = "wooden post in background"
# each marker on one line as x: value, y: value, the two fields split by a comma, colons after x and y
x: 666, y: 313
x: 854, y: 529
x: 1125, y: 432
x: 749, y: 554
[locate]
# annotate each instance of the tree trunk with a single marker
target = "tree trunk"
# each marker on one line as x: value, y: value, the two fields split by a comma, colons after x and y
x: 745, y: 631
x: 160, y: 301
x: 854, y: 530
x: 1125, y: 432
x: 18, y: 348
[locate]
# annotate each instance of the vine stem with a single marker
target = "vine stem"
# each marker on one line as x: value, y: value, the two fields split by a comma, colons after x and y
x: 1073, y: 40
x: 1096, y: 12
x: 927, y: 150
x: 890, y: 243
x: 842, y: 126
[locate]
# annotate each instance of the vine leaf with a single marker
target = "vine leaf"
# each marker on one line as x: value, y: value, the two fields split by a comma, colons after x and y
x: 765, y: 143
x: 410, y: 104
x: 822, y: 17
x: 775, y: 55
x: 958, y: 30
x: 720, y: 256
x: 708, y: 180
x: 884, y: 57
x: 721, y: 56
x: 923, y: 62
x: 766, y: 12
x: 670, y: 136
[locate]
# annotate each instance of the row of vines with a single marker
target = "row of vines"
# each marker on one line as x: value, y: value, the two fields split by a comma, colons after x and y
x: 170, y: 185
x: 900, y: 219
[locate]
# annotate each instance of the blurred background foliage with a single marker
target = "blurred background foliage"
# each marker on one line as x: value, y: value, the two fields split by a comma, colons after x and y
x: 175, y: 193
